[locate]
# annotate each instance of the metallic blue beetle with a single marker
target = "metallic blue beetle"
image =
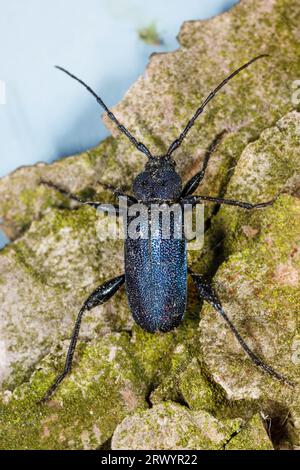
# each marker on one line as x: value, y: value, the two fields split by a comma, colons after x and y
x: 156, y: 268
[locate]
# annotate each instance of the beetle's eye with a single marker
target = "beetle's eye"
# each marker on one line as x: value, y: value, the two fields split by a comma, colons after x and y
x: 144, y: 183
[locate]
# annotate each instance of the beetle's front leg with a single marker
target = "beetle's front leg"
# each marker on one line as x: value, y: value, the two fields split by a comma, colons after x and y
x: 117, y: 192
x: 193, y: 200
x: 105, y: 207
x: 98, y: 297
x: 208, y: 294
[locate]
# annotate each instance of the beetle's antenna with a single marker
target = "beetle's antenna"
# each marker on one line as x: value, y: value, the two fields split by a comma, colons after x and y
x: 139, y: 145
x: 191, y: 122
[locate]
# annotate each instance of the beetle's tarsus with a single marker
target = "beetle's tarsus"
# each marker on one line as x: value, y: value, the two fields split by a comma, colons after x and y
x: 98, y: 297
x: 53, y: 387
x: 208, y: 294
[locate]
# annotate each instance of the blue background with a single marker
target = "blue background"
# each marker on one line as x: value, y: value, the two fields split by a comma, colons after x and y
x: 46, y: 116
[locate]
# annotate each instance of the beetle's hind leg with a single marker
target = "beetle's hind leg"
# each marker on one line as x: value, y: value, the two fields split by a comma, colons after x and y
x: 98, y: 297
x: 207, y: 293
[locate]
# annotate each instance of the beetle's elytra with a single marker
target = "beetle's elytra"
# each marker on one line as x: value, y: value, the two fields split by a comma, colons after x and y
x: 156, y: 269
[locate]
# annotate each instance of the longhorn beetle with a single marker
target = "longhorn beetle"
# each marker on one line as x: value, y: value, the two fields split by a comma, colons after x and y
x: 156, y: 271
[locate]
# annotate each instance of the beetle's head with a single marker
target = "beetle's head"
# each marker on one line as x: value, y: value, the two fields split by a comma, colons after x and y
x: 159, y: 180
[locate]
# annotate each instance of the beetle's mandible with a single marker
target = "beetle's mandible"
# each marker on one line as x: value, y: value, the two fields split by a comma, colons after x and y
x: 156, y: 271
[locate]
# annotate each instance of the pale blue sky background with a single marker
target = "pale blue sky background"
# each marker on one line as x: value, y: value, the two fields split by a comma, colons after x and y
x: 46, y: 115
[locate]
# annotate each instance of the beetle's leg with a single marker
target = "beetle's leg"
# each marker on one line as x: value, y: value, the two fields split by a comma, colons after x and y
x: 117, y: 192
x: 230, y: 202
x: 98, y: 297
x: 105, y: 207
x: 207, y: 293
x: 191, y: 186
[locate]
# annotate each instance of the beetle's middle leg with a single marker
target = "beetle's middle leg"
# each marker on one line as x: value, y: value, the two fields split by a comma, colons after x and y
x: 191, y: 186
x: 207, y: 293
x: 98, y: 297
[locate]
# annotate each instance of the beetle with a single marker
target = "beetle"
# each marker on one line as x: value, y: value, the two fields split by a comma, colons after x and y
x: 156, y: 271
